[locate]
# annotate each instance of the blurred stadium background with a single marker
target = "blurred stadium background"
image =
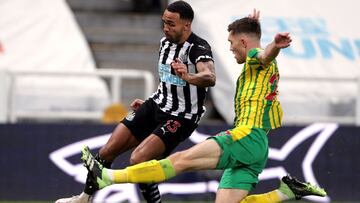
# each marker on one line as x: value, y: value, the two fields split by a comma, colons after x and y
x: 69, y: 70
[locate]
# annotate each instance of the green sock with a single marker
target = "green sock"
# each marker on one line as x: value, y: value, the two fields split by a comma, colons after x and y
x: 284, y: 189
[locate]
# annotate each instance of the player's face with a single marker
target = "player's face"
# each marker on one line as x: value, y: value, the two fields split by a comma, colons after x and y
x: 174, y: 27
x: 237, y: 47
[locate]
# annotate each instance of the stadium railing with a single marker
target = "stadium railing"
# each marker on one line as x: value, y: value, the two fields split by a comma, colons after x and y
x: 115, y: 77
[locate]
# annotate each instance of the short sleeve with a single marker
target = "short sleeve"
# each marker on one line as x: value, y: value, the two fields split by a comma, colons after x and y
x: 200, y: 51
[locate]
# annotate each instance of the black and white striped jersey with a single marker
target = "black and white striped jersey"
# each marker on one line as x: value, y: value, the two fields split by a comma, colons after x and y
x: 174, y: 95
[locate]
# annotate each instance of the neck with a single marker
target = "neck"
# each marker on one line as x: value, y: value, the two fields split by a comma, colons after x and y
x: 252, y: 45
x: 185, y: 36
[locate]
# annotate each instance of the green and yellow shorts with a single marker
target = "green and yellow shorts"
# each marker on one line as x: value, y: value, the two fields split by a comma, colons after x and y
x: 245, y: 152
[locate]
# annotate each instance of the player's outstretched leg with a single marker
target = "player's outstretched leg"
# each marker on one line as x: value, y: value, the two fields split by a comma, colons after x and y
x: 96, y: 169
x: 153, y: 171
x: 294, y: 188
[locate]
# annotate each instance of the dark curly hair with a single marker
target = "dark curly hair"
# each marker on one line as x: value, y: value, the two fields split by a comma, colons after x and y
x: 183, y: 8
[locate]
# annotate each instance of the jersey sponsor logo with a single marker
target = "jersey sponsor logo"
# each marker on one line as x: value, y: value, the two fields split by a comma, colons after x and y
x: 165, y: 75
x: 273, y: 81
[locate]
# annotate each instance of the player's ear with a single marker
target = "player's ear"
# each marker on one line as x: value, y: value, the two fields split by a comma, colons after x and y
x: 243, y: 43
x: 187, y: 25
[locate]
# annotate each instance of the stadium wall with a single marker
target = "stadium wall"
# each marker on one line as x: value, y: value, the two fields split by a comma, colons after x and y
x: 42, y: 162
x: 319, y: 74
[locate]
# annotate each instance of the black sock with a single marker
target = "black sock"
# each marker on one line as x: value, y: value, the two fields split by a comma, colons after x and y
x: 90, y: 188
x: 150, y: 192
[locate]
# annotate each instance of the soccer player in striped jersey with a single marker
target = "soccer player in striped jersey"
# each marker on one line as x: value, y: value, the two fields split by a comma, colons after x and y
x: 171, y: 114
x: 241, y: 151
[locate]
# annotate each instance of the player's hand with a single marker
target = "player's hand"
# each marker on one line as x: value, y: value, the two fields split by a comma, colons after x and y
x: 180, y: 69
x: 255, y: 15
x: 282, y: 40
x: 136, y: 104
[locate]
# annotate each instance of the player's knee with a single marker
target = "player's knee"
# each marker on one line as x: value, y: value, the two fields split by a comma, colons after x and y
x: 137, y: 156
x: 135, y: 159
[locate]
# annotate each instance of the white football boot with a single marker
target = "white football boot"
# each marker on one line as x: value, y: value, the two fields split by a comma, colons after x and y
x: 82, y: 198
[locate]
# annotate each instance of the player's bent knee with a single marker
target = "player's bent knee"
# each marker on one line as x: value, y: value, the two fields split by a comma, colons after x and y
x: 137, y: 157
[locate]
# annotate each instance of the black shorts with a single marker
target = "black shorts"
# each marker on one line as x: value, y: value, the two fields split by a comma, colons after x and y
x: 149, y: 119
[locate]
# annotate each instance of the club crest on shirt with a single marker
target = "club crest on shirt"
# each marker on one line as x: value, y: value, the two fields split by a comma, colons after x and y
x: 183, y: 56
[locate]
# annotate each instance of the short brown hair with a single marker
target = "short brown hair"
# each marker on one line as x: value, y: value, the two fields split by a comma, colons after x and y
x: 246, y: 25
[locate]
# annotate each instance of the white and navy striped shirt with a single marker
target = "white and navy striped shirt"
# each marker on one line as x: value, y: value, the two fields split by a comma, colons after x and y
x: 174, y: 95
